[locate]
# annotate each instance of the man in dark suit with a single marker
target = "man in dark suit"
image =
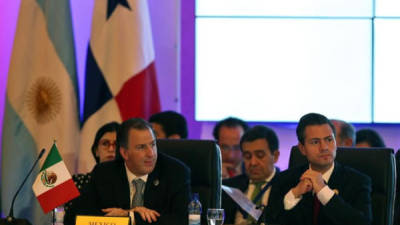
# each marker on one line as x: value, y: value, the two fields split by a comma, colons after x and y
x: 259, y: 146
x: 149, y: 187
x: 323, y: 192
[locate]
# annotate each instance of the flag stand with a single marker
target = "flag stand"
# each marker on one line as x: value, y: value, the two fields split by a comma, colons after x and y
x: 54, y: 216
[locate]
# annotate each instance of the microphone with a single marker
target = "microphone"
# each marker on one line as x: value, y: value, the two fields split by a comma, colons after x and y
x: 10, y: 220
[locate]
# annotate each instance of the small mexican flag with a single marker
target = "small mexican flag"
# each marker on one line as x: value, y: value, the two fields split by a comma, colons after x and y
x: 54, y: 185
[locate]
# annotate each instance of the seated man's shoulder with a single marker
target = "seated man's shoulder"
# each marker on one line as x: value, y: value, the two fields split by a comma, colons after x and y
x: 107, y: 167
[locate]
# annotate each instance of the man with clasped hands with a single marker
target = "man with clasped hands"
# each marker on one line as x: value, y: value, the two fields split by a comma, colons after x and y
x: 323, y: 192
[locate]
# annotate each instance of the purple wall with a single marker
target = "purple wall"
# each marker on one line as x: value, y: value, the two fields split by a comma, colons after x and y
x: 187, y: 67
x: 165, y: 16
x: 8, y: 21
x: 173, y: 32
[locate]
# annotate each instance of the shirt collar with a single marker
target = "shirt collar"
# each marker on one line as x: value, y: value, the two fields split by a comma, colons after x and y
x: 132, y: 176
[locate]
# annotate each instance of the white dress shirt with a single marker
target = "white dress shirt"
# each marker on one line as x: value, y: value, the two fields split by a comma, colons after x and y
x: 324, y: 195
x: 130, y: 176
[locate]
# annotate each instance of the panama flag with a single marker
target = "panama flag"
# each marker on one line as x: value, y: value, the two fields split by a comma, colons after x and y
x: 41, y: 103
x: 54, y: 185
x: 120, y: 72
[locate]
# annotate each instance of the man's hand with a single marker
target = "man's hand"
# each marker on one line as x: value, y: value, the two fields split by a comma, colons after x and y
x: 148, y: 215
x: 316, y: 179
x: 115, y: 212
x: 302, y: 187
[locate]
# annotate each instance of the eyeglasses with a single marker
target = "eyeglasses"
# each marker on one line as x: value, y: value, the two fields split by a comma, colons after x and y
x: 107, y: 143
x: 229, y: 148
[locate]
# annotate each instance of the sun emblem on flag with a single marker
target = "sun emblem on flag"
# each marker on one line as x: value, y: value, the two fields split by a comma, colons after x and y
x: 44, y: 100
x: 48, y: 178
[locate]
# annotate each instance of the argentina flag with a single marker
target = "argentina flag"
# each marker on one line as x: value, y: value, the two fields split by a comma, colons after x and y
x: 41, y: 103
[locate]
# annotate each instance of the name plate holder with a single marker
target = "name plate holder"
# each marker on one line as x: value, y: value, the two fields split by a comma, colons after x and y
x: 101, y: 220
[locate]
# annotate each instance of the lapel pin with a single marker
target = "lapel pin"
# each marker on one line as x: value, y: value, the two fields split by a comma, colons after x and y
x: 336, y: 191
x: 156, y: 182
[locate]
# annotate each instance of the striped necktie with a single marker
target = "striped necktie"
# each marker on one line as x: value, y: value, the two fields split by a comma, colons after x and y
x: 257, y: 188
x: 138, y: 198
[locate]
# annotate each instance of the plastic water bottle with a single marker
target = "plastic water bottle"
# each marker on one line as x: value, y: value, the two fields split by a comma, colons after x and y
x: 194, y: 209
x: 59, y: 215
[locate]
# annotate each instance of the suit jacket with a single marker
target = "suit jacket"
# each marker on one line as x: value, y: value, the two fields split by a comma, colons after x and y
x: 351, y: 205
x: 167, y: 191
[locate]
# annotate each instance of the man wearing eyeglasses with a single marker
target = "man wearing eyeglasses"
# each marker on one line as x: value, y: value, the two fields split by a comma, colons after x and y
x: 141, y: 183
x: 227, y: 133
x: 260, y: 150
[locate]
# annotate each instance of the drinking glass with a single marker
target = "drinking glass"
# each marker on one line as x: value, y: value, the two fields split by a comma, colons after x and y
x: 215, y: 216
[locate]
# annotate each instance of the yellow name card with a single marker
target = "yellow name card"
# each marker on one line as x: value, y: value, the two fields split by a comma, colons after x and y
x: 101, y: 220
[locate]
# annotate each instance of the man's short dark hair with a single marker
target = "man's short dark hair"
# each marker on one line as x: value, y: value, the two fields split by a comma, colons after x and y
x: 229, y: 122
x: 123, y: 132
x: 309, y: 120
x: 261, y: 132
x: 108, y: 127
x: 371, y: 137
x: 171, y: 122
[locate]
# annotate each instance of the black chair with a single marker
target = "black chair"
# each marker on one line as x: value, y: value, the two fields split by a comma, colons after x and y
x: 397, y: 202
x: 377, y: 163
x: 204, y: 159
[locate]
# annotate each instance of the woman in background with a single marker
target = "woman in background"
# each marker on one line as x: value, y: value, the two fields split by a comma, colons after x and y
x: 103, y: 150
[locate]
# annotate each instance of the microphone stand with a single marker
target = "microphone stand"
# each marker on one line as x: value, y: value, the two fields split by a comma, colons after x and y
x: 10, y: 220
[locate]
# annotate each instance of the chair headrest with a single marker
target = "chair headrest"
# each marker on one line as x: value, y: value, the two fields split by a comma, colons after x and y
x: 201, y: 156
